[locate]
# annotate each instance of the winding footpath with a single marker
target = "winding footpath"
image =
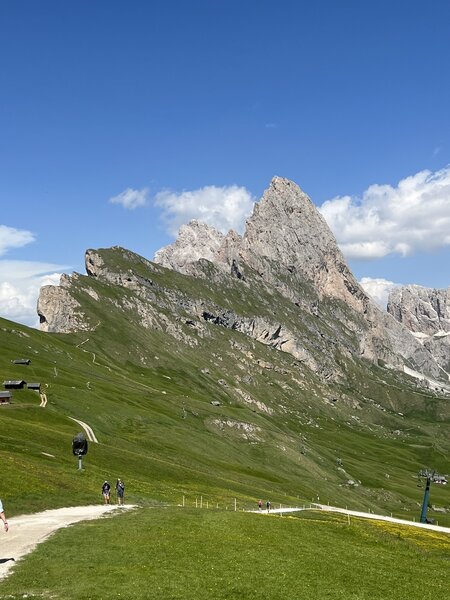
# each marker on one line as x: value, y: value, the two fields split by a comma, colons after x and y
x: 88, y: 430
x: 26, y: 531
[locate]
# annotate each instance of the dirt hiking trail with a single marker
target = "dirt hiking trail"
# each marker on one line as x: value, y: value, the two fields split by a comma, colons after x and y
x: 26, y: 531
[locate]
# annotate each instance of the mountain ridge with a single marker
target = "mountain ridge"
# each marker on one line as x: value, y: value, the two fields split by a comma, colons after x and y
x: 287, y: 230
x: 239, y: 374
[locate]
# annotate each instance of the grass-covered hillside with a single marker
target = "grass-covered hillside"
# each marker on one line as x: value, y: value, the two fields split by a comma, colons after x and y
x: 190, y: 406
x: 193, y: 554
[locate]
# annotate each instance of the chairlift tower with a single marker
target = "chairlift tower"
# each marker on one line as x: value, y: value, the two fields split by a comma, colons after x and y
x: 429, y: 477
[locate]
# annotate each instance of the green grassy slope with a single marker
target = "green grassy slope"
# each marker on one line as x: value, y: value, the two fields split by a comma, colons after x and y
x: 202, y: 554
x: 281, y: 431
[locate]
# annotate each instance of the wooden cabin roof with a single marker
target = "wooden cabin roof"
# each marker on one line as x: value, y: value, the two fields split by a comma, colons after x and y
x: 14, y: 383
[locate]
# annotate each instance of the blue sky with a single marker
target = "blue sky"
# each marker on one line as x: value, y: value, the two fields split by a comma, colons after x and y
x: 119, y: 121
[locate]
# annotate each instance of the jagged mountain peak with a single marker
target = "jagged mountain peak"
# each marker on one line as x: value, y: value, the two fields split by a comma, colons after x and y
x: 287, y: 228
x: 288, y: 244
x: 285, y: 231
x: 285, y: 224
x: 285, y: 193
x: 195, y: 240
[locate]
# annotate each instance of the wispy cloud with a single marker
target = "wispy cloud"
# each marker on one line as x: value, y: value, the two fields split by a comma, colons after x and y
x: 378, y: 289
x: 20, y: 282
x: 14, y: 238
x: 224, y: 208
x: 412, y: 217
x: 131, y: 199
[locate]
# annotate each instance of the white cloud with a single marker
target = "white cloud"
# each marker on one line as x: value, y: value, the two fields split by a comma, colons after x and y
x: 378, y: 289
x: 20, y: 282
x: 13, y: 238
x: 412, y: 217
x: 131, y: 199
x: 224, y: 208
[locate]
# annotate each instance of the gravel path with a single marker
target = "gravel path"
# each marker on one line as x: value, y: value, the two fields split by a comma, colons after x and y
x: 26, y: 531
x: 354, y: 513
x: 88, y: 429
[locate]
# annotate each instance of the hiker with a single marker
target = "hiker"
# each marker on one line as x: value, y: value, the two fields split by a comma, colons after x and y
x: 268, y: 505
x: 120, y: 490
x: 106, y: 490
x: 260, y: 504
x: 3, y: 518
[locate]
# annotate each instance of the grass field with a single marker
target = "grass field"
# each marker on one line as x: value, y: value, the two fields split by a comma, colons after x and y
x: 188, y: 554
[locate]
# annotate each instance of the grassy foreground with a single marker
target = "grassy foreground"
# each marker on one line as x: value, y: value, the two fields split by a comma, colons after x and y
x: 208, y: 554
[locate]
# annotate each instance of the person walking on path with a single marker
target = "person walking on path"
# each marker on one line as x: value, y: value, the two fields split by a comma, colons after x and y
x: 3, y: 518
x: 260, y: 504
x: 268, y: 506
x: 106, y: 491
x: 120, y: 491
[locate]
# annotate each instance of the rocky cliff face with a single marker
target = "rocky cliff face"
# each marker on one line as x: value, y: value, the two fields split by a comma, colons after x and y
x: 421, y: 310
x: 196, y: 240
x: 426, y: 313
x: 286, y: 232
x: 58, y: 310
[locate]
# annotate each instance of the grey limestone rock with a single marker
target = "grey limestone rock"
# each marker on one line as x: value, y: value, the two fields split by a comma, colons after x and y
x: 426, y: 313
x: 58, y: 311
x: 286, y: 234
x: 287, y: 231
x: 421, y: 310
x: 195, y: 240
